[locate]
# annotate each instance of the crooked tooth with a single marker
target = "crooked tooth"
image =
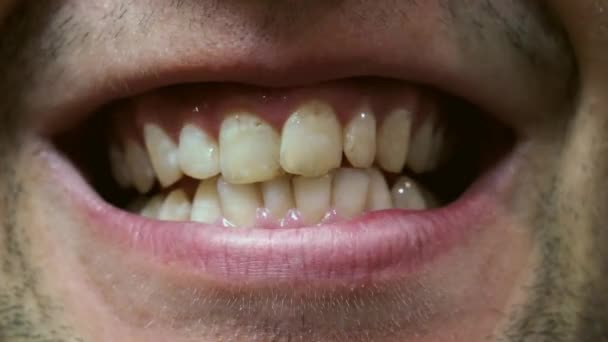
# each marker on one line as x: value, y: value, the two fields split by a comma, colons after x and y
x: 278, y: 196
x: 163, y: 154
x: 349, y: 194
x: 206, y: 206
x: 176, y: 207
x: 393, y: 140
x: 139, y: 166
x: 311, y: 142
x: 313, y: 197
x: 198, y: 153
x: 240, y: 202
x: 407, y: 194
x: 119, y: 167
x: 152, y: 208
x: 360, y: 139
x: 421, y: 148
x: 379, y: 195
x: 249, y: 149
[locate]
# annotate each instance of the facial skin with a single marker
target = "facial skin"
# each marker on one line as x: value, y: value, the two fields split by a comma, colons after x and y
x: 537, y: 272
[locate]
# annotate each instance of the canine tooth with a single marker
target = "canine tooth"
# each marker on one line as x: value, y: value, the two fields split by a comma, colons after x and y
x: 139, y: 166
x: 393, y: 140
x: 240, y: 202
x: 379, y: 195
x: 278, y: 196
x: 408, y: 195
x: 349, y: 193
x: 421, y: 148
x: 311, y: 142
x: 176, y: 207
x: 163, y: 154
x: 152, y: 208
x: 313, y: 197
x: 120, y: 170
x: 360, y: 139
x: 198, y: 153
x: 249, y: 149
x: 206, y: 206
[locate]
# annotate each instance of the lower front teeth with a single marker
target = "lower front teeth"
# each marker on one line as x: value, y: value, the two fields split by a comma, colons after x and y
x: 288, y: 201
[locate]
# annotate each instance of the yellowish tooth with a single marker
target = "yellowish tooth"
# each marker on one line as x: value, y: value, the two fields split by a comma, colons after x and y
x: 198, y: 153
x: 311, y: 142
x: 163, y: 154
x: 206, y: 206
x: 249, y: 149
x: 119, y: 167
x: 139, y: 166
x: 176, y: 207
x: 407, y: 194
x: 438, y: 149
x: 278, y: 196
x: 240, y: 202
x: 349, y: 194
x: 379, y: 195
x: 313, y: 197
x: 421, y: 148
x: 152, y: 208
x: 393, y: 140
x: 360, y: 139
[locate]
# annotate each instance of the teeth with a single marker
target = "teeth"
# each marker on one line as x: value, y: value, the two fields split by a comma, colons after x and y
x: 360, y: 139
x: 421, y: 149
x: 379, y: 195
x: 438, y: 149
x: 311, y: 144
x: 120, y: 170
x: 198, y: 153
x: 176, y: 207
x: 313, y: 197
x: 278, y: 196
x: 249, y: 149
x: 240, y: 202
x: 350, y: 187
x: 408, y: 195
x: 206, y: 206
x: 163, y: 154
x: 152, y: 208
x: 139, y: 167
x: 393, y: 140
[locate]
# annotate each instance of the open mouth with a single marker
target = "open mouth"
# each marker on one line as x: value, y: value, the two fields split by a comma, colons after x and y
x: 347, y: 179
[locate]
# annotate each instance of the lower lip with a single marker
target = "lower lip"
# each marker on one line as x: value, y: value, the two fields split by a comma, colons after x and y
x: 384, y: 245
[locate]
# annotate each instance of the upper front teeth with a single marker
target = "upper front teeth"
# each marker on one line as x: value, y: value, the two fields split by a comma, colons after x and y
x: 245, y: 164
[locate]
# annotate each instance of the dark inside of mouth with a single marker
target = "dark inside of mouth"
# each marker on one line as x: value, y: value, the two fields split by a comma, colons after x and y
x: 476, y: 142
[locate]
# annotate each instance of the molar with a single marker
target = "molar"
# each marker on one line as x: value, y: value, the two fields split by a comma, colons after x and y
x: 163, y: 154
x: 311, y: 142
x: 120, y: 170
x: 249, y: 149
x: 198, y: 153
x: 421, y: 149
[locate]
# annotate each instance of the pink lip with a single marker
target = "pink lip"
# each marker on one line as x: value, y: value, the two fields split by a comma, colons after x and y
x: 377, y: 246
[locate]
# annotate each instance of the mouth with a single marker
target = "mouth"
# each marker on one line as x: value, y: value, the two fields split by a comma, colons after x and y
x: 340, y: 182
